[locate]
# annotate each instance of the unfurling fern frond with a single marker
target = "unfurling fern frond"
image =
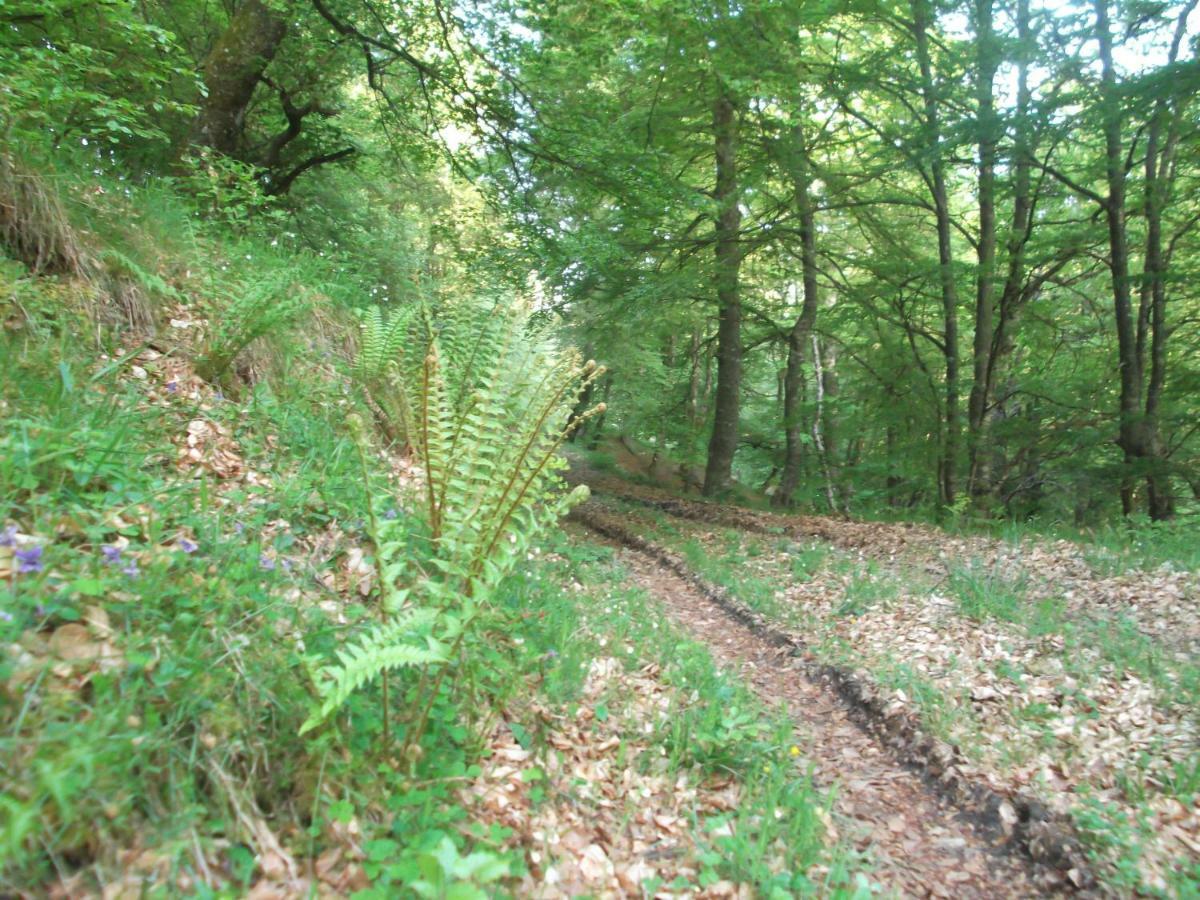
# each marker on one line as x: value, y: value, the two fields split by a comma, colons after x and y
x: 382, y: 649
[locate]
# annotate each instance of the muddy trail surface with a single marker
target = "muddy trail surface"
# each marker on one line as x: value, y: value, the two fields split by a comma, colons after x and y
x: 893, y: 801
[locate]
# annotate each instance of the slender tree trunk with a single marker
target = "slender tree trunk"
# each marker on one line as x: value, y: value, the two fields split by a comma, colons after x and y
x: 829, y: 385
x: 1132, y: 431
x: 660, y: 435
x: 706, y: 390
x: 693, y: 401
x: 793, y: 380
x: 232, y: 71
x: 817, y: 430
x: 1022, y: 211
x: 1160, y: 155
x: 987, y: 61
x: 1158, y: 482
x: 718, y: 473
x: 582, y: 406
x: 894, y: 481
x: 598, y: 422
x: 941, y: 202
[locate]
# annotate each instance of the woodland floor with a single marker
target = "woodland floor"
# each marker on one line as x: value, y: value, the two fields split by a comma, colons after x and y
x: 921, y: 845
x: 995, y: 717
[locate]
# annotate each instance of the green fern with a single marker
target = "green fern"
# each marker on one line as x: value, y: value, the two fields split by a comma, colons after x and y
x: 380, y: 348
x: 253, y: 310
x: 488, y: 410
x: 119, y: 265
x: 380, y: 342
x: 485, y: 403
x: 384, y: 648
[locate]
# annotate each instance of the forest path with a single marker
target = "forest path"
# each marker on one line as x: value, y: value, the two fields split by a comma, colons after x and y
x: 1160, y: 604
x: 922, y: 844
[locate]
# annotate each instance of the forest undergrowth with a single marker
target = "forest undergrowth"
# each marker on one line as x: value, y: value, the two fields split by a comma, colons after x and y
x: 201, y: 519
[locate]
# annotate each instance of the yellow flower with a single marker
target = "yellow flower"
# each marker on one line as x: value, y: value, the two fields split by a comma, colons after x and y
x: 795, y: 751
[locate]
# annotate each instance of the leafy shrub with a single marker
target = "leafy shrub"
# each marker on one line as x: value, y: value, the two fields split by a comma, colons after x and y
x: 91, y: 72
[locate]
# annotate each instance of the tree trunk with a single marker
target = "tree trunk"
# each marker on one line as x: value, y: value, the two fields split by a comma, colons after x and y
x: 232, y: 72
x: 718, y: 473
x: 987, y: 61
x: 793, y: 380
x: 817, y: 432
x: 1132, y: 436
x: 894, y: 481
x: 598, y: 422
x: 693, y: 401
x: 1159, y: 166
x: 829, y: 384
x: 1158, y: 482
x: 1012, y: 294
x: 941, y: 202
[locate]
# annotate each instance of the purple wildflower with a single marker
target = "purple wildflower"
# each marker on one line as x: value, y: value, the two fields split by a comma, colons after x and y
x: 287, y: 564
x: 238, y: 527
x: 29, y: 560
x: 132, y: 569
x: 188, y: 546
x: 5, y: 616
x: 172, y: 386
x: 111, y: 554
x: 8, y: 538
x: 218, y: 395
x: 392, y: 513
x: 266, y: 563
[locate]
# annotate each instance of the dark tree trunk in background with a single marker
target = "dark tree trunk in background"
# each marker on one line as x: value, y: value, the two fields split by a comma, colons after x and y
x: 1158, y: 482
x: 1012, y: 295
x: 693, y: 398
x: 723, y: 444
x: 894, y: 481
x: 1162, y: 139
x: 941, y: 202
x: 582, y: 406
x: 987, y: 61
x: 798, y: 338
x: 1133, y: 432
x: 598, y: 422
x: 232, y: 71
x: 829, y: 382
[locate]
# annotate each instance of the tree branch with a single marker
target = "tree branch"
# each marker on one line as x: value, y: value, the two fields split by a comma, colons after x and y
x: 284, y: 184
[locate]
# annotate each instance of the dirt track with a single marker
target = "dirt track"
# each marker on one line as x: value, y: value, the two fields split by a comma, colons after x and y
x: 923, y: 841
x: 924, y: 845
